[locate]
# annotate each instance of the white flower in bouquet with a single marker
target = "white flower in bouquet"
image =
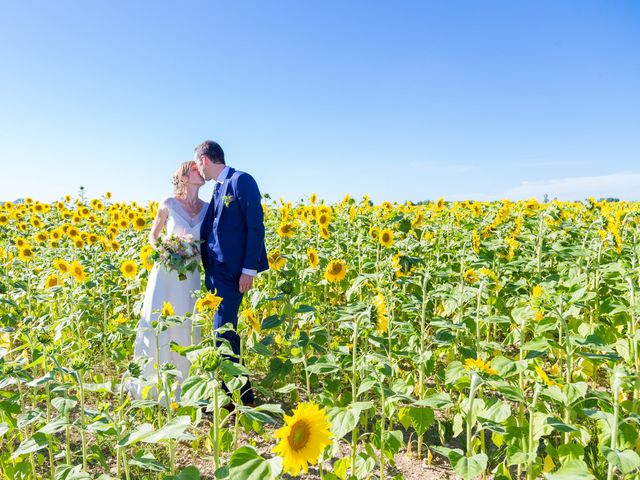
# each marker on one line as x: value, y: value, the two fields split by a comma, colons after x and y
x: 177, y: 253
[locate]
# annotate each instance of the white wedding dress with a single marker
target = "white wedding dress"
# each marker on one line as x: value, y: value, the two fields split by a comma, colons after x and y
x: 164, y: 286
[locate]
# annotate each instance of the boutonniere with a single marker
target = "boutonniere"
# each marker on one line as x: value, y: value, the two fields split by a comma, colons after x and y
x: 227, y: 200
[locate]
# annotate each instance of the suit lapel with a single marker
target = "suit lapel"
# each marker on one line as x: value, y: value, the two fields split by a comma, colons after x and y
x: 222, y: 193
x: 205, y: 228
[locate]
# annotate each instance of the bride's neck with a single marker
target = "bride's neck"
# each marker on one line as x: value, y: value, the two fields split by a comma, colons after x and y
x: 190, y: 196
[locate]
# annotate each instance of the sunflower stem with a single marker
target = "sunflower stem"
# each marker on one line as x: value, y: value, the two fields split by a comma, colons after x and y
x: 382, y: 430
x: 354, y: 392
x: 475, y: 381
x: 216, y: 417
x: 616, y: 380
x: 423, y: 336
x: 532, y: 450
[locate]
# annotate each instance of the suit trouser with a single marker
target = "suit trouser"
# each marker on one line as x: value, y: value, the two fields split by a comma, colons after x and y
x: 226, y: 284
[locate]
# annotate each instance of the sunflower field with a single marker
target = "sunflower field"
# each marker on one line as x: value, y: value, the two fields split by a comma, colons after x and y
x: 497, y: 340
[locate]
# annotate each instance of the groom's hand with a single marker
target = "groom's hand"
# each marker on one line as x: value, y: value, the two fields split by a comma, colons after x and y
x: 246, y: 282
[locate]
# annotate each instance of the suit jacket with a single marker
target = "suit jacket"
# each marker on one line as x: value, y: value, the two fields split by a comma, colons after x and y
x: 238, y: 225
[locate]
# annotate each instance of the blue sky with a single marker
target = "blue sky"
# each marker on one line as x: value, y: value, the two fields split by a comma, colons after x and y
x: 402, y: 100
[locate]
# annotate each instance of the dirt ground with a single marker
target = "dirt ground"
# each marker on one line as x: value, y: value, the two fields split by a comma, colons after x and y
x: 406, y: 466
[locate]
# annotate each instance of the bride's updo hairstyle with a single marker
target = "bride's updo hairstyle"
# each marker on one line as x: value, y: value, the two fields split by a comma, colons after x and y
x: 179, y: 185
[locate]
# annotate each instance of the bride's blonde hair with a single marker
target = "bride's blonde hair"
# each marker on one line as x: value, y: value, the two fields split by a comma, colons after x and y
x: 179, y: 185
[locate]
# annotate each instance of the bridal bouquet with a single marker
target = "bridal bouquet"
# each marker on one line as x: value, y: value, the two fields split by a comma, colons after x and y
x: 179, y: 253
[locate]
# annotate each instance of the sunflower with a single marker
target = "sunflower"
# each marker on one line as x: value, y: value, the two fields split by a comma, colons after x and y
x: 470, y: 276
x: 106, y: 244
x: 324, y: 233
x: 36, y: 222
x: 403, y: 265
x: 52, y: 281
x: 121, y: 319
x: 353, y: 211
x: 77, y: 270
x: 382, y: 313
x: 167, y: 309
x: 417, y: 221
x: 386, y: 238
x: 374, y: 232
x: 545, y: 378
x: 336, y: 271
x: 56, y: 234
x: 145, y: 256
x: 479, y: 365
x: 139, y: 223
x: 537, y: 291
x: 41, y: 237
x: 532, y: 204
x: 286, y: 230
x: 324, y: 209
x: 78, y: 243
x: 475, y: 241
x: 107, y: 195
x: 21, y: 242
x: 4, y: 218
x: 276, y: 261
x: 209, y: 302
x: 61, y: 265
x: 25, y: 254
x: 323, y: 219
x: 250, y: 319
x: 312, y: 255
x: 313, y: 198
x: 129, y: 269
x: 303, y: 438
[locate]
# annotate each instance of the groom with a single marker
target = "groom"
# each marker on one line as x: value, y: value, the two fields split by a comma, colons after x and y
x: 233, y: 249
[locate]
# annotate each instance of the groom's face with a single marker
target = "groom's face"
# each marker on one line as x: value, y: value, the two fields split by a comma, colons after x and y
x: 204, y: 167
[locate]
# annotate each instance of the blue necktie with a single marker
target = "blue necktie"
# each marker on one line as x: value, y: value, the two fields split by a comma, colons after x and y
x: 214, y: 242
x: 216, y: 192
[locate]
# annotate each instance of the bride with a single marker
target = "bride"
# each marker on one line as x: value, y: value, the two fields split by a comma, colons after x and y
x: 181, y: 214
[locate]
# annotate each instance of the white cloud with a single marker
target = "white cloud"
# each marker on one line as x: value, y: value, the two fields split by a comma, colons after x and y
x: 623, y: 185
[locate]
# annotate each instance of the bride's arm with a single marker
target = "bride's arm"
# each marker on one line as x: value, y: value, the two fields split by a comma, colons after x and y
x: 158, y: 224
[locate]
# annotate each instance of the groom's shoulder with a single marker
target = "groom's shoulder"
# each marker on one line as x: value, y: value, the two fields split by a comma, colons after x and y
x: 242, y: 178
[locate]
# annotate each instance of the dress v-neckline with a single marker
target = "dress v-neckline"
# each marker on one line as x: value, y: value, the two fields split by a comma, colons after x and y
x: 183, y: 213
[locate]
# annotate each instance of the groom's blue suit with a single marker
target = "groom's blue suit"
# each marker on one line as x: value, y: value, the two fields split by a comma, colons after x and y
x: 233, y: 234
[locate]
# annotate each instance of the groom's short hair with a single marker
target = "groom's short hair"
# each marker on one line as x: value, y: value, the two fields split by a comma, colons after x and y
x: 211, y: 150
